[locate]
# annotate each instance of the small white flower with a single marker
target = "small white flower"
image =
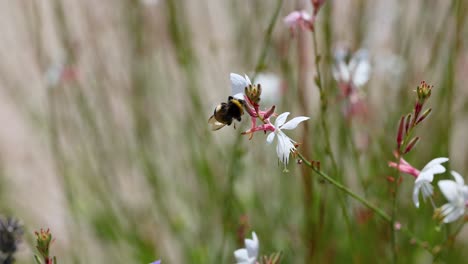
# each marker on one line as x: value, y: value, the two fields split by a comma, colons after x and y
x: 356, y: 72
x: 238, y: 84
x: 425, y: 177
x: 456, y: 193
x: 285, y: 144
x: 249, y: 254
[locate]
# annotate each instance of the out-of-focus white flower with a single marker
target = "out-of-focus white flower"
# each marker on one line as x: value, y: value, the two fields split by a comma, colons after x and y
x: 356, y: 72
x: 456, y: 193
x: 299, y: 19
x: 425, y: 177
x: 271, y: 83
x: 238, y: 84
x: 285, y: 144
x: 249, y: 254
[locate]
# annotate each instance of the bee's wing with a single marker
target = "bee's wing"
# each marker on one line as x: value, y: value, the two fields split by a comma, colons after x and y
x: 215, y: 124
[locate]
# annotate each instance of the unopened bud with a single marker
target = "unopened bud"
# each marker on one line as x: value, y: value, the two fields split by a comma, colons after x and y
x: 408, y: 122
x: 43, y: 240
x: 411, y: 145
x: 269, y: 112
x: 253, y: 92
x: 424, y: 115
x: 400, y: 132
x: 424, y: 90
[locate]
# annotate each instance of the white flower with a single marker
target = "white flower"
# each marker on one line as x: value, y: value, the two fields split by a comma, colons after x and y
x: 249, y: 254
x: 456, y: 193
x: 356, y: 72
x: 425, y: 177
x: 285, y: 144
x: 238, y: 84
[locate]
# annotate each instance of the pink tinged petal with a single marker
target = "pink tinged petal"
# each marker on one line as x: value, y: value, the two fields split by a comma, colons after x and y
x: 281, y: 119
x: 292, y: 19
x: 270, y: 137
x: 458, y: 178
x: 408, y: 169
x: 238, y: 84
x: 292, y: 124
x: 449, y: 189
x: 305, y: 16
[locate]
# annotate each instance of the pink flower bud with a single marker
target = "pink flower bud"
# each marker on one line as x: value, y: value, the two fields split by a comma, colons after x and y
x: 400, y: 132
x: 424, y: 115
x: 411, y: 145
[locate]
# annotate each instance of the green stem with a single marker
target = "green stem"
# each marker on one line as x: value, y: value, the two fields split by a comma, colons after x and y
x: 366, y: 203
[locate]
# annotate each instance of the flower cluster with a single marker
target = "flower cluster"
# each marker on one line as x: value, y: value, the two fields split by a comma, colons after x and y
x: 456, y: 192
x: 43, y: 242
x: 351, y: 73
x: 242, y: 88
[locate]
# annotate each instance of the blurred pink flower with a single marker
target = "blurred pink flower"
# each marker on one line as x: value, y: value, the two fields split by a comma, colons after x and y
x: 300, y: 19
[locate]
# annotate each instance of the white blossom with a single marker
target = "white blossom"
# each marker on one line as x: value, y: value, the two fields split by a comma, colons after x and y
x: 425, y: 177
x: 456, y: 192
x: 249, y: 254
x: 285, y: 144
x: 238, y: 84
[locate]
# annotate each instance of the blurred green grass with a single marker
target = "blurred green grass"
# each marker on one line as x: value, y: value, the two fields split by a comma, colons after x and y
x: 120, y: 164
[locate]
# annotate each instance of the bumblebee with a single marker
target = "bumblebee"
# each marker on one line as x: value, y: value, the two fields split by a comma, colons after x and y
x: 224, y: 113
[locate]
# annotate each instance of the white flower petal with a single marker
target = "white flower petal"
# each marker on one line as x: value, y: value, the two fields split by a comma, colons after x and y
x: 239, y: 96
x: 427, y: 190
x: 281, y: 119
x: 270, y: 137
x: 292, y: 124
x: 247, y: 79
x: 435, y: 169
x: 241, y: 255
x: 449, y: 189
x: 340, y: 72
x: 417, y: 187
x: 451, y: 213
x: 252, y: 246
x: 458, y: 177
x: 238, y: 83
x: 465, y: 193
x: 436, y: 161
x: 360, y: 67
x: 284, y: 147
x: 425, y: 176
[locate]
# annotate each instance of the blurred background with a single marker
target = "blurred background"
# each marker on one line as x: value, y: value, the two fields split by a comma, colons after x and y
x: 104, y: 140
